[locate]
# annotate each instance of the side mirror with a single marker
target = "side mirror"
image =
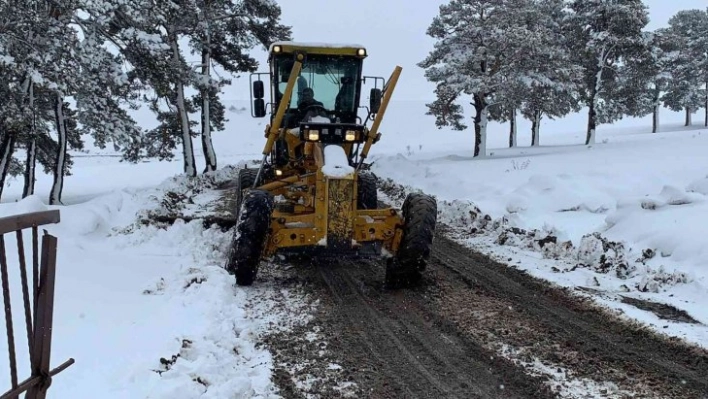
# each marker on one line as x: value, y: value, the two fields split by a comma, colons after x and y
x: 258, y: 90
x: 259, y: 110
x: 375, y: 100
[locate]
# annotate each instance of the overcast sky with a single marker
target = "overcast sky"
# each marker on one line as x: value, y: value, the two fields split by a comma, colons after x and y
x: 393, y: 31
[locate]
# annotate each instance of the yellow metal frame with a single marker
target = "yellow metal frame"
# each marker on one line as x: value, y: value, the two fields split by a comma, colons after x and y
x: 307, y: 225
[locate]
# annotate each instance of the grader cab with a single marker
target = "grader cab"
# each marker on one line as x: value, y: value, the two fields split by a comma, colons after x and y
x: 312, y: 189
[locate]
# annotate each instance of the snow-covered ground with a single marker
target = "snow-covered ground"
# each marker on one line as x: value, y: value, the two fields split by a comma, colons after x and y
x: 129, y: 295
x: 147, y: 311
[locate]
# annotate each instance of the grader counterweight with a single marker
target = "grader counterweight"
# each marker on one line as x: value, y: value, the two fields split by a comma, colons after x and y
x: 312, y: 189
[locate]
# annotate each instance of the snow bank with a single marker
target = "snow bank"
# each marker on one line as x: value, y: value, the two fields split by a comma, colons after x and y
x: 149, y: 311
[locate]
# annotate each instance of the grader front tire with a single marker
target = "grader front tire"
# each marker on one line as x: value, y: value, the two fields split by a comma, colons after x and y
x: 367, y: 196
x: 246, y: 178
x: 250, y: 235
x: 420, y: 217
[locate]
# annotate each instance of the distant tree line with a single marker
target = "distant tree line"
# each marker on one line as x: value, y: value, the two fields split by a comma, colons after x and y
x: 72, y: 69
x: 550, y: 58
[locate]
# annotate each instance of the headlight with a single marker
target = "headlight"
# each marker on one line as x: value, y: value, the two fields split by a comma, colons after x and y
x: 361, y: 52
x: 350, y: 135
x: 313, y: 135
x: 278, y: 172
x: 276, y: 49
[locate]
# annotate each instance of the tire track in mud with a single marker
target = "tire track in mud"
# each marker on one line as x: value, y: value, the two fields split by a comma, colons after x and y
x: 434, y: 362
x: 380, y: 339
x: 396, y: 347
x: 445, y: 338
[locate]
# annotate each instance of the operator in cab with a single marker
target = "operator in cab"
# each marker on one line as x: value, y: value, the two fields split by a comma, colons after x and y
x: 309, y: 107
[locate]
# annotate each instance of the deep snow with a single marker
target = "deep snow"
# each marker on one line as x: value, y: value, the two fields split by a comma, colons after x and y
x: 148, y: 311
x: 129, y: 295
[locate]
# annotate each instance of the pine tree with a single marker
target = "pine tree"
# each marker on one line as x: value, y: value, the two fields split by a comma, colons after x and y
x: 224, y: 32
x: 505, y: 104
x: 480, y: 45
x: 701, y: 43
x: 55, y: 58
x: 61, y: 68
x: 16, y: 50
x: 552, y: 80
x: 104, y: 96
x: 147, y: 33
x: 445, y: 109
x: 688, y: 88
x: 646, y: 74
x: 600, y: 33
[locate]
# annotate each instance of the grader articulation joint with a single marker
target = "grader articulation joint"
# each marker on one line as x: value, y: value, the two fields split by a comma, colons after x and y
x: 312, y: 189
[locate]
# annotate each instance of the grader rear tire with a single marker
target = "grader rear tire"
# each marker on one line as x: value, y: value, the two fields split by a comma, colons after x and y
x: 367, y: 197
x: 420, y: 217
x: 250, y: 236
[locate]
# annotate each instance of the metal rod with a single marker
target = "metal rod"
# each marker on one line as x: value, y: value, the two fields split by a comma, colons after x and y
x: 259, y: 173
x: 25, y: 289
x: 36, y: 380
x: 284, y: 182
x: 44, y: 314
x: 35, y: 265
x: 19, y: 222
x: 274, y: 128
x: 8, y: 313
x: 387, y: 92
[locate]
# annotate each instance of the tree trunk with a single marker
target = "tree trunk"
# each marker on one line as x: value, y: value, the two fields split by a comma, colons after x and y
x: 592, y: 113
x: 187, y: 149
x: 706, y: 104
x: 207, y: 145
x: 512, y: 128
x: 655, y: 120
x: 30, y: 167
x: 31, y: 161
x: 688, y: 117
x: 592, y: 123
x: 535, y: 128
x: 7, y: 147
x: 657, y: 109
x: 60, y: 163
x: 480, y: 126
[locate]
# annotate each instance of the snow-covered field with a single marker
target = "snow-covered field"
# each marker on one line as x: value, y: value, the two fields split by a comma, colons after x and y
x: 129, y: 295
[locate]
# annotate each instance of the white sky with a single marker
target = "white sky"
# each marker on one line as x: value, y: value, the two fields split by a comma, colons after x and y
x: 394, y: 32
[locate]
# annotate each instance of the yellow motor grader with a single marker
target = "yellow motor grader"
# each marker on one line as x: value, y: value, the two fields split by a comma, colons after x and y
x: 312, y: 189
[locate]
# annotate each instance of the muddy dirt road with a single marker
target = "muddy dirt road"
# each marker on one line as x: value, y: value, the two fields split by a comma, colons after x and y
x: 474, y: 328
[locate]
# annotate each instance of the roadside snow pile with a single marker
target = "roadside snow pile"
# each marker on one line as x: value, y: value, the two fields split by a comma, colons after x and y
x: 673, y: 223
x: 467, y: 221
x: 147, y: 310
x: 182, y: 197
